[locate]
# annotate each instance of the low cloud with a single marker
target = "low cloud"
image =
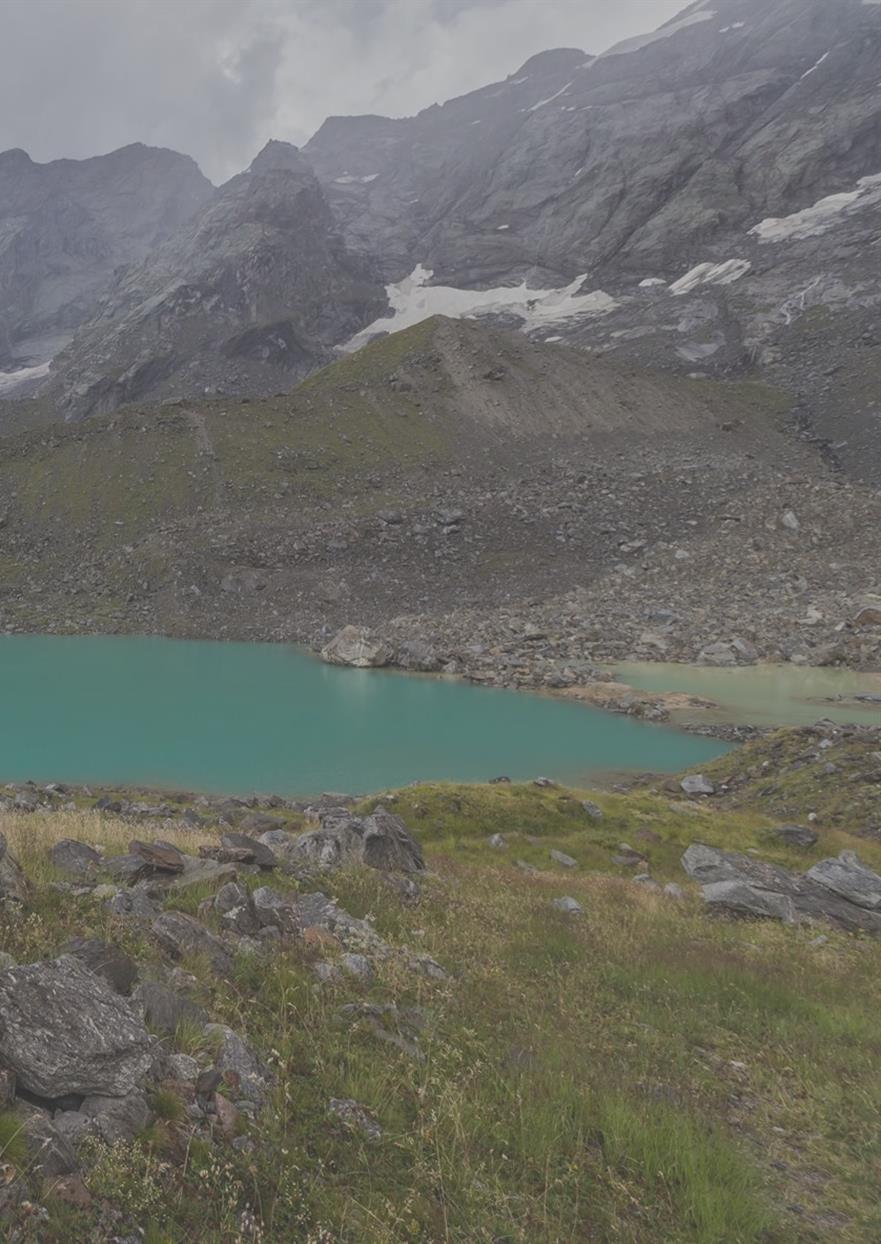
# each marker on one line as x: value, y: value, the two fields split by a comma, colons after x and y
x: 216, y: 78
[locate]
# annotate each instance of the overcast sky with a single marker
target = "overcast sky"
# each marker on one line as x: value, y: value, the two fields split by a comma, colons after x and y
x: 216, y: 78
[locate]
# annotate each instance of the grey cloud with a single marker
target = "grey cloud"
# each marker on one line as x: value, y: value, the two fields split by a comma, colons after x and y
x: 216, y: 78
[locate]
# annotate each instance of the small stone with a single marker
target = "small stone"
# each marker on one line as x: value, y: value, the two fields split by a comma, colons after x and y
x: 356, y: 1117
x: 497, y: 841
x: 796, y: 835
x: 593, y: 810
x: 564, y: 860
x: 568, y: 905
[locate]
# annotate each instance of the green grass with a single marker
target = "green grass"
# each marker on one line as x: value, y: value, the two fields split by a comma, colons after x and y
x: 640, y: 1074
x: 706, y: 1181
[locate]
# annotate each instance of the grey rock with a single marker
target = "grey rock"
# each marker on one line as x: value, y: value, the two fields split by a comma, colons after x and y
x: 134, y: 904
x: 354, y: 646
x: 13, y: 884
x: 806, y: 897
x: 182, y: 1068
x: 497, y: 841
x: 564, y: 860
x: 75, y: 859
x: 359, y: 967
x: 593, y: 810
x: 417, y: 655
x: 260, y: 854
x: 318, y: 911
x: 568, y: 905
x: 233, y: 903
x: 273, y: 910
x: 181, y: 936
x: 117, y: 1118
x: 740, y: 899
x: 63, y: 1030
x: 243, y: 1071
x: 378, y: 841
x: 355, y: 1117
x: 197, y: 872
x: 126, y: 868
x: 849, y: 879
x: 114, y: 965
x: 795, y: 835
x: 672, y: 890
x: 50, y: 1151
x: 278, y: 840
x: 72, y: 1125
x: 164, y: 1008
x: 698, y: 785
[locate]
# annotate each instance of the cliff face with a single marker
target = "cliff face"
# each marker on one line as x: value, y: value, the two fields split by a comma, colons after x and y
x: 67, y: 225
x: 248, y: 298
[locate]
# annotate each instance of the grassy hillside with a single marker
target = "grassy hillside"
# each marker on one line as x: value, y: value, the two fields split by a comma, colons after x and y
x: 637, y: 1074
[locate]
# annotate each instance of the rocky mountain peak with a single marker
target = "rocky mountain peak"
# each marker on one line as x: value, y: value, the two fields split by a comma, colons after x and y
x: 557, y: 60
x: 279, y: 156
x: 14, y: 159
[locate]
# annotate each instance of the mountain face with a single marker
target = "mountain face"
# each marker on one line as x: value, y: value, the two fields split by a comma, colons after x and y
x: 704, y: 198
x: 629, y: 161
x: 248, y: 298
x: 66, y: 226
x: 650, y: 178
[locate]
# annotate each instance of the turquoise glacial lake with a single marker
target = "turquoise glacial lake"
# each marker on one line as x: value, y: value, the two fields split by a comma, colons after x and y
x: 236, y: 718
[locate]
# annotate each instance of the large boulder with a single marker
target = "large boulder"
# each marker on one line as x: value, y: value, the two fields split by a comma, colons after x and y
x: 75, y: 859
x: 63, y: 1030
x: 354, y: 646
x: 738, y: 898
x: 13, y: 883
x: 841, y: 892
x: 849, y: 879
x: 378, y: 841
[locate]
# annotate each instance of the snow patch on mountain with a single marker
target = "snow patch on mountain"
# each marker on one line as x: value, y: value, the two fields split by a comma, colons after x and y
x: 822, y: 216
x: 814, y: 67
x: 711, y: 274
x: 10, y: 381
x: 413, y: 300
x: 348, y: 178
x: 542, y: 102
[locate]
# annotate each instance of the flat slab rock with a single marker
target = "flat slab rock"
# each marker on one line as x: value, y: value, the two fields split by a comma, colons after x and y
x: 63, y: 1030
x: 841, y: 891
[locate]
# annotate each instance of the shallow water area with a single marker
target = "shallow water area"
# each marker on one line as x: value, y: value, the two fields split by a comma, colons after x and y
x: 238, y: 717
x: 761, y: 695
